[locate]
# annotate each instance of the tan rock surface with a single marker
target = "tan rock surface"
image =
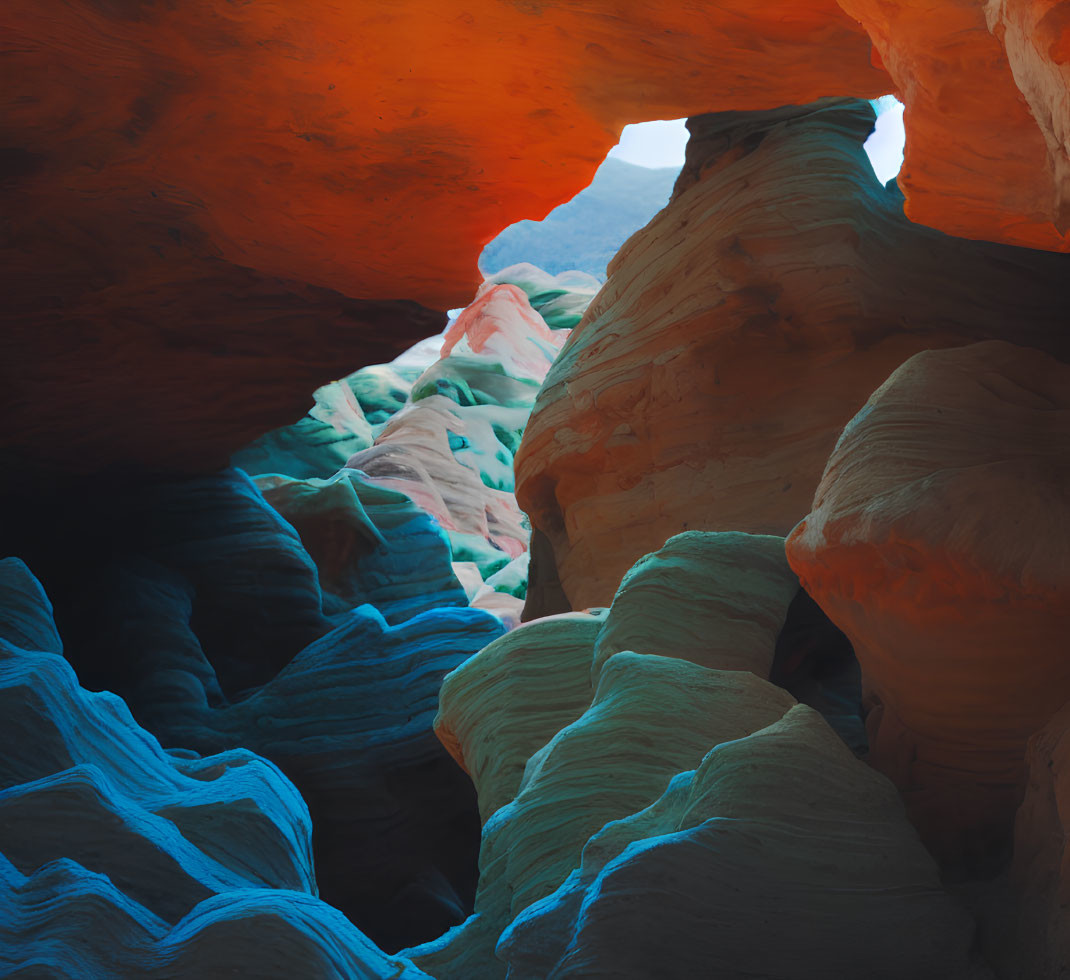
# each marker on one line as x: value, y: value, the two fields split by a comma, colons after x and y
x: 937, y: 543
x: 740, y: 330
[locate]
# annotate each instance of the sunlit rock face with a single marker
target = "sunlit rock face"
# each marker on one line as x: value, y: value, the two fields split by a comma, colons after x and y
x: 995, y: 75
x: 201, y: 199
x: 937, y: 543
x: 341, y: 147
x: 209, y: 190
x: 643, y: 807
x: 736, y: 335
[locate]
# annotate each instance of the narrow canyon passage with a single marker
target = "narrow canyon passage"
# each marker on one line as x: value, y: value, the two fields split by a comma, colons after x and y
x: 689, y: 601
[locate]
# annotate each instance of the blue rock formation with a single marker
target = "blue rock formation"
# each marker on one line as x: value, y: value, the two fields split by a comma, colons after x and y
x: 371, y: 545
x: 209, y: 619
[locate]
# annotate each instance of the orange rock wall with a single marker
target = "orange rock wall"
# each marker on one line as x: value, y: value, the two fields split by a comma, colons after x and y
x: 374, y: 147
x: 936, y: 542
x: 987, y: 113
x: 169, y: 168
x: 739, y: 331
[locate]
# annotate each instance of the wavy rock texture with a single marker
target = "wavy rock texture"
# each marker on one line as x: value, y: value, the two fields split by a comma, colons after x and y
x: 120, y: 859
x: 560, y: 300
x: 502, y: 705
x: 347, y: 416
x: 200, y: 192
x: 66, y: 922
x: 650, y: 718
x: 736, y: 588
x: 995, y: 75
x: 370, y: 545
x: 936, y: 543
x: 317, y: 445
x: 415, y: 455
x: 208, y: 551
x: 739, y: 331
x: 752, y: 865
x: 450, y: 447
x: 284, y: 209
x: 571, y: 743
x: 349, y: 720
x: 312, y: 619
x: 206, y: 613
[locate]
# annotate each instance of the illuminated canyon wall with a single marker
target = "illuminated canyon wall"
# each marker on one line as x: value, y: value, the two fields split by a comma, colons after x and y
x: 785, y: 503
x: 740, y: 330
x: 181, y: 183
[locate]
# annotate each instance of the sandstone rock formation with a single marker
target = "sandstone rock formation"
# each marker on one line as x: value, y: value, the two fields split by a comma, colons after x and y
x: 341, y: 188
x: 560, y: 300
x: 349, y: 720
x: 498, y: 708
x: 294, y: 723
x: 318, y: 444
x: 739, y: 331
x: 66, y: 923
x: 736, y: 588
x: 1005, y: 174
x: 206, y: 206
x: 751, y: 865
x: 204, y: 191
x: 213, y: 625
x: 449, y: 447
x: 1040, y: 873
x: 121, y: 859
x: 371, y: 545
x: 936, y: 542
x: 312, y: 619
x: 571, y: 745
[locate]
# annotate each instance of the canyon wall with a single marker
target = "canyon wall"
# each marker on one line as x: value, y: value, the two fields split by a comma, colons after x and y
x: 200, y: 198
x: 740, y: 330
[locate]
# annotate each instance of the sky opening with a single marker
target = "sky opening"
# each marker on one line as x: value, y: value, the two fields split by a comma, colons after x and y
x: 661, y: 143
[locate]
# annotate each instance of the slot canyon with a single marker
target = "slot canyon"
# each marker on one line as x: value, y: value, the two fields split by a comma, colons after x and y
x: 434, y: 548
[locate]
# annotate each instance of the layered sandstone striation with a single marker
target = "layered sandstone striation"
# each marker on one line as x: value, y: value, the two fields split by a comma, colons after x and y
x: 643, y: 807
x: 122, y: 859
x: 225, y: 192
x: 937, y: 543
x: 765, y: 825
x: 309, y: 613
x: 995, y: 76
x: 212, y: 620
x: 736, y: 335
x: 206, y: 205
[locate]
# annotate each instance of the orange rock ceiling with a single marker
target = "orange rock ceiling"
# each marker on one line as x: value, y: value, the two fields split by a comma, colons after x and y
x: 373, y: 148
x: 162, y: 162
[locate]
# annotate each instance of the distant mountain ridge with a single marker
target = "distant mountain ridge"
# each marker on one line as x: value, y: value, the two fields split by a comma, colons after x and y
x: 586, y: 232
